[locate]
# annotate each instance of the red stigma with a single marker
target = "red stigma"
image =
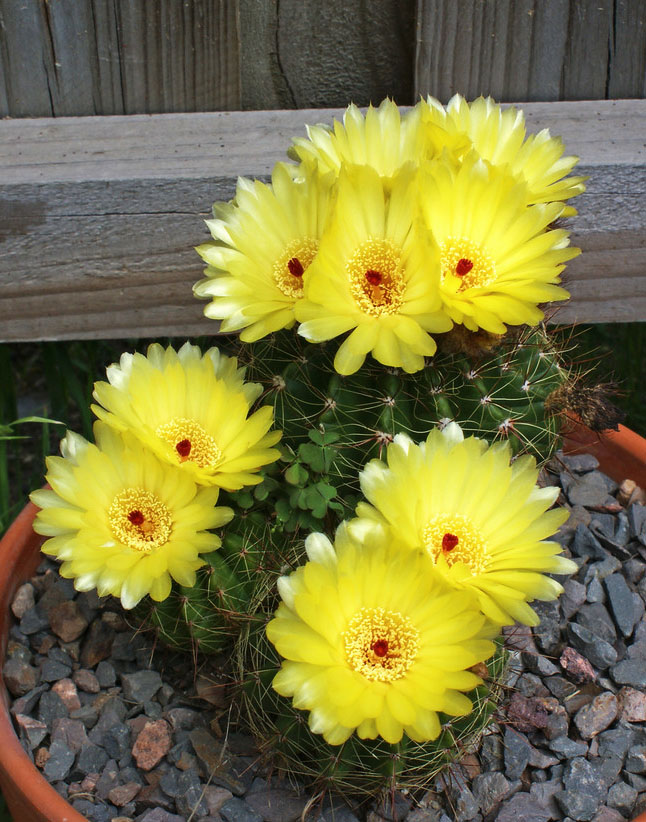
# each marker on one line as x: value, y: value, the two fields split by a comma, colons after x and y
x: 463, y: 267
x: 136, y: 517
x: 295, y: 267
x: 183, y: 448
x: 373, y: 277
x: 380, y: 647
x: 449, y: 541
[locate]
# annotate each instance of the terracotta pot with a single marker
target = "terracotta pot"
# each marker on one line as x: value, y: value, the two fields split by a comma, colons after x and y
x: 621, y: 454
x: 29, y: 796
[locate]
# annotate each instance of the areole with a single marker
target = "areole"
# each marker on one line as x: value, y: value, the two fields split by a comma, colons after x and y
x: 29, y: 796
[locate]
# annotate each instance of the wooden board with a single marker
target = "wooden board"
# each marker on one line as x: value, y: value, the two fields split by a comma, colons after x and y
x: 84, y: 57
x: 308, y: 53
x: 531, y: 49
x: 98, y: 216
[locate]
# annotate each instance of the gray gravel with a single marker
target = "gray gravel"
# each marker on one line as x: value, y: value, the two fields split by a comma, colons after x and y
x: 124, y: 740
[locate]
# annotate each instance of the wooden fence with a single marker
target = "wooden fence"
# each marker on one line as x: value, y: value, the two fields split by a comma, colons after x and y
x: 98, y: 215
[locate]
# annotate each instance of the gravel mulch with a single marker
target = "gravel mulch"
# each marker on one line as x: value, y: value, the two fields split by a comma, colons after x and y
x: 127, y: 735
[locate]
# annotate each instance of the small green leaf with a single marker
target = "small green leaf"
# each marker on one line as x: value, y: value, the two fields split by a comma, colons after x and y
x: 296, y: 474
x: 313, y: 455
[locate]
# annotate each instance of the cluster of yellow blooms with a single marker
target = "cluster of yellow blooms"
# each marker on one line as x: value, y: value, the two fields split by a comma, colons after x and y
x: 393, y: 228
x: 378, y: 631
x: 132, y: 512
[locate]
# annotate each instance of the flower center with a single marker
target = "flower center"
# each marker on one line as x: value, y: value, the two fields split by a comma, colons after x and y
x: 376, y: 280
x: 190, y: 441
x: 292, y: 264
x: 140, y: 520
x: 467, y: 261
x: 454, y: 537
x: 381, y: 645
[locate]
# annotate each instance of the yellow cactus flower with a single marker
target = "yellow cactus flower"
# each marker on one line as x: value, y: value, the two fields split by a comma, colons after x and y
x: 122, y: 521
x: 480, y: 519
x: 383, y: 139
x: 192, y: 410
x: 374, y: 641
x: 376, y: 274
x: 498, y: 259
x: 498, y: 136
x: 265, y: 242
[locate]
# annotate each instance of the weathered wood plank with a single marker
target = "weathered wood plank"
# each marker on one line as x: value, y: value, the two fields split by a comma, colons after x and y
x: 307, y: 54
x: 98, y: 216
x: 531, y: 49
x: 65, y: 57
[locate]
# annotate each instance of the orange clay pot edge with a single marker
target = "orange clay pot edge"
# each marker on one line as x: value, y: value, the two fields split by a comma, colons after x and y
x: 621, y: 455
x: 29, y: 796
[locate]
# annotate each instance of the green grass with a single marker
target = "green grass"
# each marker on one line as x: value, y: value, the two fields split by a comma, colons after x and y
x: 55, y: 380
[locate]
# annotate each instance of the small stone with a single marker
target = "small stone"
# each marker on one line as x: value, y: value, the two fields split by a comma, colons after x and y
x: 66, y: 689
x: 580, y: 463
x: 40, y: 757
x: 630, y: 672
x: 87, y: 714
x: 125, y: 645
x: 583, y: 794
x: 596, y: 618
x: 622, y: 797
x: 31, y: 729
x: 588, y: 490
x: 548, y: 632
x: 161, y: 815
x: 97, y: 645
x: 183, y: 719
x: 59, y: 762
x: 190, y: 796
x: 566, y: 748
x: 235, y: 810
x: 517, y: 751
x: 25, y: 704
x: 23, y: 600
x: 215, y: 798
x: 33, y: 621
x: 539, y: 759
x: 20, y: 678
x: 636, y: 759
x: 600, y: 653
x: 67, y: 621
x: 615, y: 742
x: 153, y: 743
x: 140, y: 686
x: 51, y: 707
x: 211, y: 691
x: 491, y: 752
x: 522, y: 807
x: 621, y: 603
x: 594, y: 591
x: 489, y: 789
x: 52, y: 671
x: 86, y: 681
x: 275, y: 805
x: 71, y: 732
x: 576, y: 666
x: 106, y: 674
x: 543, y: 794
x: 606, y: 814
x: 632, y: 705
x: 527, y: 714
x: 597, y: 716
x: 572, y: 598
x: 91, y: 759
x: 123, y: 794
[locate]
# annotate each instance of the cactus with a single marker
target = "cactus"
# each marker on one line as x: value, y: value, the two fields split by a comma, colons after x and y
x: 333, y: 425
x: 358, y: 767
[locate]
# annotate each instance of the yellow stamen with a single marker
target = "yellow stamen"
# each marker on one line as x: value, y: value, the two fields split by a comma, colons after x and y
x: 190, y: 442
x: 292, y: 264
x: 468, y: 262
x: 454, y: 537
x: 376, y: 279
x: 381, y: 645
x: 140, y: 520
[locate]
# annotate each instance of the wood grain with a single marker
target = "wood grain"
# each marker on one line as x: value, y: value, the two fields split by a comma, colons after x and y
x: 531, y: 50
x: 307, y: 54
x: 86, y: 57
x: 98, y: 216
